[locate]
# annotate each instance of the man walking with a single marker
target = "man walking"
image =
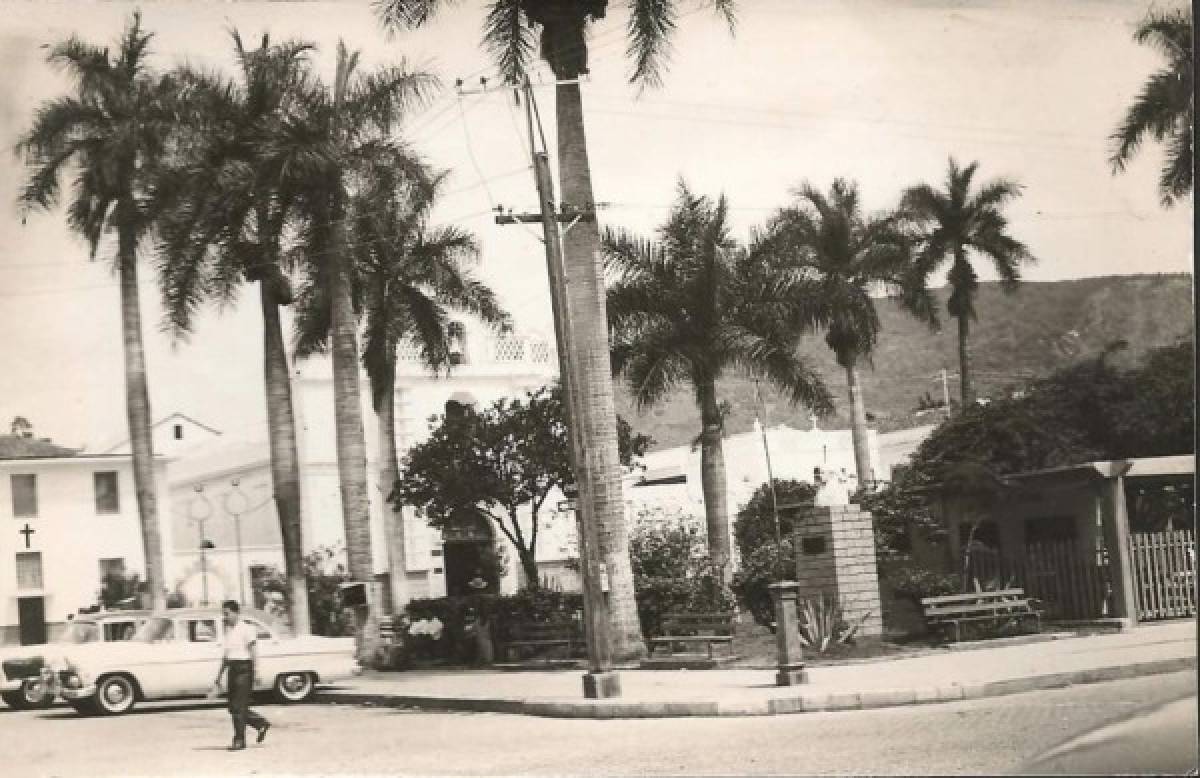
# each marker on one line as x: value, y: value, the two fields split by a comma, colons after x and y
x: 241, y: 653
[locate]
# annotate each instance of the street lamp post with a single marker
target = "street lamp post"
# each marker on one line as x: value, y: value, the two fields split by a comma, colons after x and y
x: 199, y: 518
x: 226, y: 499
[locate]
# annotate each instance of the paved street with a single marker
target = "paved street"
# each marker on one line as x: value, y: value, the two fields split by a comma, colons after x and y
x: 979, y: 736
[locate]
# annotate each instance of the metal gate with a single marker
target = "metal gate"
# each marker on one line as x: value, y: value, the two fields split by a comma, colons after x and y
x: 1164, y: 573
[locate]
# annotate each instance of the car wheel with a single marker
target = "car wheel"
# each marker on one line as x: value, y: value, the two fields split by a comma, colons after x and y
x: 294, y: 687
x: 13, y: 699
x: 115, y: 695
x: 36, y: 695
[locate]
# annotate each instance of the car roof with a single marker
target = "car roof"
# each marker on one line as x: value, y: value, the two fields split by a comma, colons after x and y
x: 212, y: 612
x: 103, y: 616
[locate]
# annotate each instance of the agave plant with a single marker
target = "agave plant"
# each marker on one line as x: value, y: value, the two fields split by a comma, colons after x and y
x: 823, y: 624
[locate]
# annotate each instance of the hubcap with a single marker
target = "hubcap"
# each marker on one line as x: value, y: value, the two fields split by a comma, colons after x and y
x: 115, y: 693
x: 294, y: 684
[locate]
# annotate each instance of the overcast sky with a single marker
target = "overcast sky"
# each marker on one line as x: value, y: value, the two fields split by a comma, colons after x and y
x: 880, y: 91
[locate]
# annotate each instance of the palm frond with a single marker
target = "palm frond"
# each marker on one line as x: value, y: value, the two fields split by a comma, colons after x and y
x: 509, y: 39
x: 651, y: 24
x: 407, y: 13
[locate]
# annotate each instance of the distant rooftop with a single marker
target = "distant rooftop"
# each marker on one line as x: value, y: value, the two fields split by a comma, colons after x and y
x: 18, y: 447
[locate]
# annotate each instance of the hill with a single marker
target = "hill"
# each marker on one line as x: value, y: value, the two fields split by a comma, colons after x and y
x: 1019, y: 336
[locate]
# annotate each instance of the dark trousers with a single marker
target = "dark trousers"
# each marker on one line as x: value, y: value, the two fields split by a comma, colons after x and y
x: 241, y: 685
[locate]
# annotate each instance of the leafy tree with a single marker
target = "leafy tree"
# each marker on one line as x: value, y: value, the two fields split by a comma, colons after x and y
x: 113, y: 133
x: 956, y: 223
x: 495, y: 464
x: 848, y: 256
x: 557, y: 31
x: 229, y: 206
x: 339, y: 133
x: 688, y: 308
x: 407, y: 277
x: 1165, y: 108
x: 325, y: 570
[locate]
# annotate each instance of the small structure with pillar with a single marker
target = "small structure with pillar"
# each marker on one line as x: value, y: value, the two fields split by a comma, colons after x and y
x: 835, y: 558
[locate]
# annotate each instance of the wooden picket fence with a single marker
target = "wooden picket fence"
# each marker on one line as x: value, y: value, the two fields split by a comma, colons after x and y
x: 1164, y: 573
x: 1072, y: 583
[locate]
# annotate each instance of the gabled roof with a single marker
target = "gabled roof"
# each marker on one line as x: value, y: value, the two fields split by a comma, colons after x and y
x: 14, y: 447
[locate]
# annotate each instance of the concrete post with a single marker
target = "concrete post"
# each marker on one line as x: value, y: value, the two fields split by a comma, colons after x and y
x: 1120, y: 561
x: 790, y: 667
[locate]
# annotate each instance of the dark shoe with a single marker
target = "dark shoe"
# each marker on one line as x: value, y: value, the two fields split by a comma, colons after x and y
x: 238, y: 744
x: 262, y: 732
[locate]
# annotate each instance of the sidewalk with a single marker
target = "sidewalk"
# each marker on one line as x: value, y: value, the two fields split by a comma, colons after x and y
x: 945, y: 676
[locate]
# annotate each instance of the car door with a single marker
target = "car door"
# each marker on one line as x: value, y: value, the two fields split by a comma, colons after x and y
x: 200, y: 654
x: 267, y: 648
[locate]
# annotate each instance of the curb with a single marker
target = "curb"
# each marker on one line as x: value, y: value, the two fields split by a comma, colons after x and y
x: 803, y: 703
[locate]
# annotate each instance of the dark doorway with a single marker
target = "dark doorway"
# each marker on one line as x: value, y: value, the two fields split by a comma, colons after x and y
x: 31, y: 615
x: 463, y: 562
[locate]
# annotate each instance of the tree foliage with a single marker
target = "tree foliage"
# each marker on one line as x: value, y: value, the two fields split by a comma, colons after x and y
x: 671, y: 572
x: 496, y: 463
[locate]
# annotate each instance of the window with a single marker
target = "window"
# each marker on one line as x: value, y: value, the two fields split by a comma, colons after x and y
x: 107, y: 498
x: 112, y: 568
x: 29, y: 570
x: 24, y: 496
x: 202, y: 631
x: 456, y: 333
x: 179, y: 432
x: 119, y: 630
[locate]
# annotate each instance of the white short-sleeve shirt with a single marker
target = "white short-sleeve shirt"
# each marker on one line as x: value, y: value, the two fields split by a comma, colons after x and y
x: 238, y: 640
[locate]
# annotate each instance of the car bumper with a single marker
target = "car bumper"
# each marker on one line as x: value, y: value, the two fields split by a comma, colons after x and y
x: 12, y: 686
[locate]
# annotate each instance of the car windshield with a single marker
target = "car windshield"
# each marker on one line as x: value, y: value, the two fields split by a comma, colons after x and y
x: 155, y: 630
x: 83, y: 632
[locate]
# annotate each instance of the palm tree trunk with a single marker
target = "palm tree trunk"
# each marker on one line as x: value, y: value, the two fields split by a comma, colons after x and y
x: 858, y: 428
x: 964, y: 363
x: 589, y: 347
x: 389, y: 471
x: 285, y: 459
x: 137, y: 408
x: 351, y: 441
x: 713, y: 484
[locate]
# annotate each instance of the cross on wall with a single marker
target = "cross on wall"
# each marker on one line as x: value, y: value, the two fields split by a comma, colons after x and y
x: 27, y: 531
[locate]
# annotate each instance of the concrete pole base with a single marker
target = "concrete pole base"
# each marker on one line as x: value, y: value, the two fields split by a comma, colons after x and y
x: 791, y: 676
x: 599, y: 686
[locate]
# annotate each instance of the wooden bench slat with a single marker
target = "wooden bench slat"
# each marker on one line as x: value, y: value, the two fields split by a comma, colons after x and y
x: 972, y: 596
x: 983, y: 608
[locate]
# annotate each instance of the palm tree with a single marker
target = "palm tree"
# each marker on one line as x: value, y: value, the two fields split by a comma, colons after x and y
x: 828, y: 240
x: 1165, y: 108
x: 408, y: 275
x: 325, y: 148
x: 113, y: 130
x: 558, y: 29
x: 228, y: 208
x: 956, y: 223
x: 688, y: 308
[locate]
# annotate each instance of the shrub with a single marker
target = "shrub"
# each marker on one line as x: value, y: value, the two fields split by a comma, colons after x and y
x: 754, y: 526
x: 823, y: 624
x: 913, y: 582
x: 762, y: 567
x: 671, y: 573
x: 325, y: 570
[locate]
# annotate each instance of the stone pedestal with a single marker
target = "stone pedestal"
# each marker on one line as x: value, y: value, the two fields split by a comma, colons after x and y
x: 835, y: 557
x: 790, y: 654
x: 599, y: 686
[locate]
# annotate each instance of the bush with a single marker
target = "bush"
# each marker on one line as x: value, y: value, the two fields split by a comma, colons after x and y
x: 754, y: 526
x: 761, y: 568
x: 671, y: 573
x: 913, y: 582
x: 325, y: 571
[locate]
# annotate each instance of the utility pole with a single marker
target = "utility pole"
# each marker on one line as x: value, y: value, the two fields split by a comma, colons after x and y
x: 762, y: 427
x: 600, y: 680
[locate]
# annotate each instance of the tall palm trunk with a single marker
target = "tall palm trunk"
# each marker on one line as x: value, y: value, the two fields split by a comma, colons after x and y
x: 712, y: 482
x: 351, y: 440
x: 137, y: 408
x: 964, y: 362
x: 858, y: 427
x: 285, y: 459
x: 389, y: 471
x: 589, y: 325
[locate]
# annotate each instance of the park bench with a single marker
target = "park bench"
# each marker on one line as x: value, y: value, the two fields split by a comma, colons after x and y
x: 564, y: 633
x: 1004, y: 605
x: 686, y: 629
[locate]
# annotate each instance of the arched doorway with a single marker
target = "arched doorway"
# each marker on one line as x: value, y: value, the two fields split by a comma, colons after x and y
x: 470, y: 556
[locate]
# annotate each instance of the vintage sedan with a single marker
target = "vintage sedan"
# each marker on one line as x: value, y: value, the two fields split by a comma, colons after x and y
x: 23, y: 668
x: 176, y: 653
